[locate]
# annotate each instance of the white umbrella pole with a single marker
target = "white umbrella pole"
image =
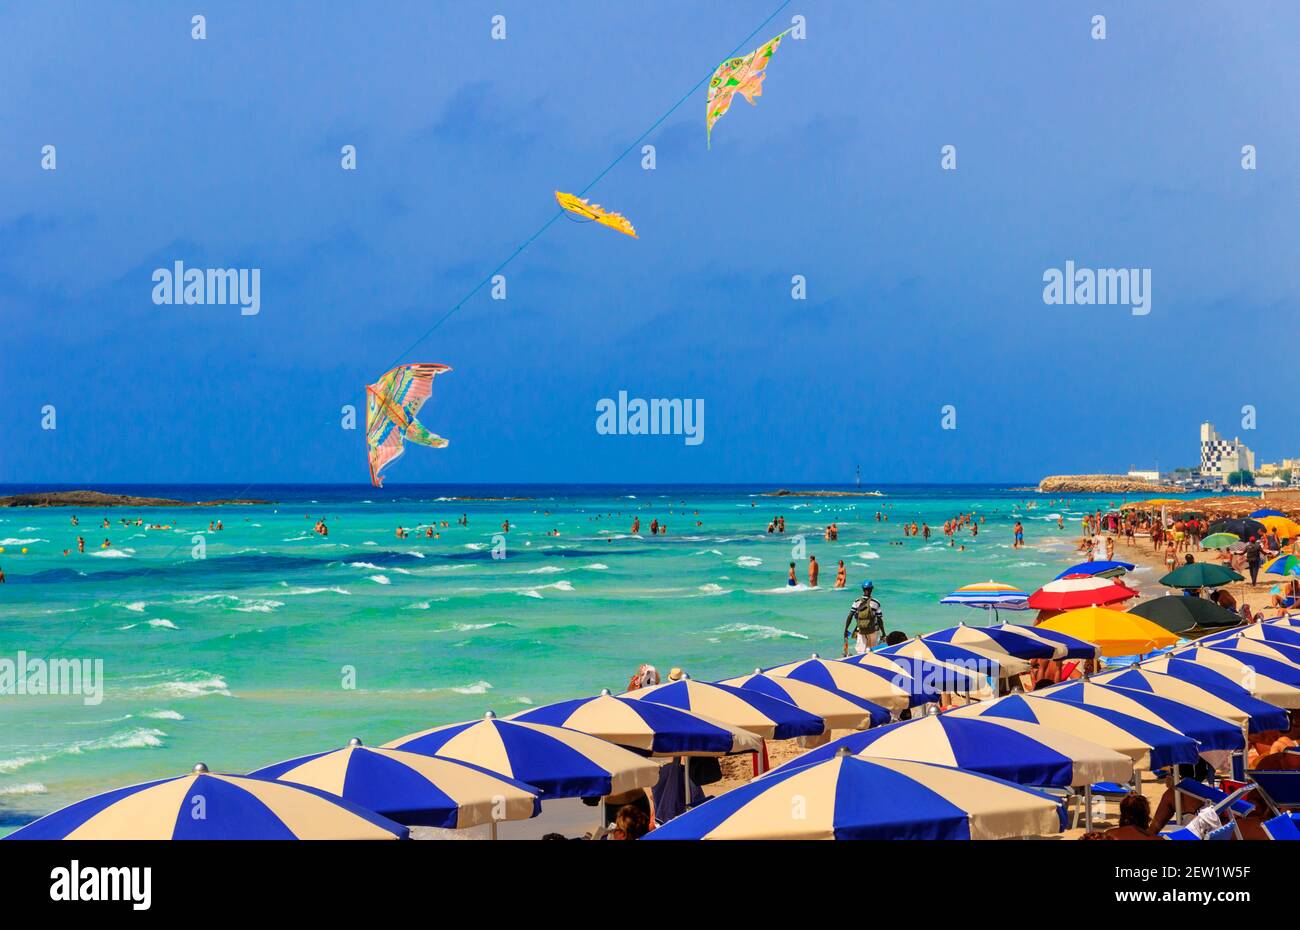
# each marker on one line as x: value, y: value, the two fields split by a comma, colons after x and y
x: 686, y: 785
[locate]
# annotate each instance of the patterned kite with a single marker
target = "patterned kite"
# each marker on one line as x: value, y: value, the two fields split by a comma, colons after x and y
x: 742, y: 76
x: 391, y: 405
x: 594, y: 211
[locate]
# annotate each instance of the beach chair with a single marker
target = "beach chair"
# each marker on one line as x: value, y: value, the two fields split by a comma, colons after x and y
x: 1106, y: 790
x: 1282, y: 827
x: 1279, y: 790
x: 1226, y: 805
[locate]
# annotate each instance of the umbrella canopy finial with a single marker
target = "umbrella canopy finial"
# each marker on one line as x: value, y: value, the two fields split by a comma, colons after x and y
x: 200, y: 768
x: 842, y: 752
x: 605, y: 692
x: 815, y: 656
x: 490, y: 715
x: 354, y: 742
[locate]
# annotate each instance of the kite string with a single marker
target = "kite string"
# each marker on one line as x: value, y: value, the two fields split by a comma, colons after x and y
x: 596, y: 180
x: 513, y: 255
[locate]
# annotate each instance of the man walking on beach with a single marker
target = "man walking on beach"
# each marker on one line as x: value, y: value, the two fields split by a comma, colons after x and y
x: 1254, y: 553
x: 866, y: 620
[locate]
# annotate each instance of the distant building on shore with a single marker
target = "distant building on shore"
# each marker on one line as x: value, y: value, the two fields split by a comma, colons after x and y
x: 1221, y: 457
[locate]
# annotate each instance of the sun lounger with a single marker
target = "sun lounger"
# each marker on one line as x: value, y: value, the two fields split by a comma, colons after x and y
x: 1226, y: 805
x: 1282, y: 827
x: 1279, y: 790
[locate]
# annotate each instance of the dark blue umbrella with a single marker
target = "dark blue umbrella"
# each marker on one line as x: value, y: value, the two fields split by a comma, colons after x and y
x: 1102, y: 569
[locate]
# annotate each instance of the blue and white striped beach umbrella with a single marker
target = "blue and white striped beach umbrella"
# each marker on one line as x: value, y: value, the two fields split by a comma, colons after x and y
x: 1268, y: 679
x: 929, y: 680
x: 995, y: 640
x: 1147, y: 744
x: 852, y: 798
x: 209, y: 806
x: 1025, y: 753
x: 416, y: 790
x: 842, y: 676
x: 1274, y: 650
x: 561, y: 763
x: 840, y: 710
x: 645, y: 726
x: 964, y: 657
x: 769, y: 717
x: 1264, y: 632
x: 1210, y: 731
x: 1068, y: 647
x: 1213, y: 693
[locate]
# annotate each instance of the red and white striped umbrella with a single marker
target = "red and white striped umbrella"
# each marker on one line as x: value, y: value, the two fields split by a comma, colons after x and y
x: 1072, y: 593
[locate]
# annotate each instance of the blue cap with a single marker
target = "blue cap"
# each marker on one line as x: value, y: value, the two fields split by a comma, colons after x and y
x: 867, y: 584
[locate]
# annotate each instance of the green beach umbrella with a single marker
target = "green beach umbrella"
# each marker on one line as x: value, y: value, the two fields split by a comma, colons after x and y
x: 1200, y: 575
x: 1178, y: 613
x: 1219, y: 541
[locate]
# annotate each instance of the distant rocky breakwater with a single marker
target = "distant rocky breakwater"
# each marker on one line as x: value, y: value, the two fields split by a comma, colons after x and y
x: 101, y: 499
x: 1103, y: 484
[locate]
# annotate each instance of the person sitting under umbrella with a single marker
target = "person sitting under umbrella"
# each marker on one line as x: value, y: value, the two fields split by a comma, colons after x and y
x: 1285, y: 596
x: 1224, y: 599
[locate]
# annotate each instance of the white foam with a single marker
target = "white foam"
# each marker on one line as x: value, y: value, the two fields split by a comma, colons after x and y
x: 257, y: 606
x: 31, y: 787
x: 749, y: 561
x: 379, y: 579
x: 759, y: 631
x: 163, y: 715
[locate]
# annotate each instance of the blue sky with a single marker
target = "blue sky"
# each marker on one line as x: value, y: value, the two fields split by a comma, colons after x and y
x: 924, y: 285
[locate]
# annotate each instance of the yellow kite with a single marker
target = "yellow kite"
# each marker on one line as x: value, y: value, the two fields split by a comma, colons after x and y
x: 594, y: 211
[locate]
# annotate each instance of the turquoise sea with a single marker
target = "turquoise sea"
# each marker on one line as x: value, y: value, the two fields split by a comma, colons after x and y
x: 280, y: 642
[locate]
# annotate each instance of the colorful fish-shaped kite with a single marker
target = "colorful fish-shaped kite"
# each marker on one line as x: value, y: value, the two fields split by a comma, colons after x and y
x: 594, y: 211
x: 391, y: 405
x: 742, y: 76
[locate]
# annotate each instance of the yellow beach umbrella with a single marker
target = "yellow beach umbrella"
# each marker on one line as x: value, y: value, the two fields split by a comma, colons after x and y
x: 1116, y: 632
x: 1284, y: 527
